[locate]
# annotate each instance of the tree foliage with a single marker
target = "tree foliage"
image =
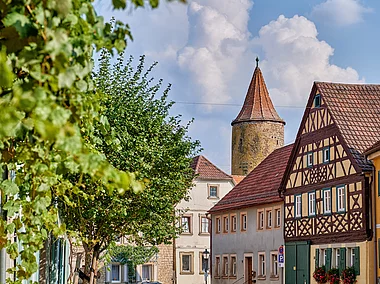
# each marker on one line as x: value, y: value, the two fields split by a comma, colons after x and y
x: 135, y: 134
x: 48, y: 107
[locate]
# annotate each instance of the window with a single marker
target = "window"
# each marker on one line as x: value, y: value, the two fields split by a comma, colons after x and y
x: 260, y: 221
x: 278, y: 217
x: 243, y: 224
x: 204, y: 225
x: 147, y: 272
x: 225, y: 265
x: 298, y: 206
x: 326, y: 201
x: 326, y: 154
x: 115, y: 273
x: 217, y: 266
x: 341, y: 200
x: 309, y: 157
x: 337, y: 257
x: 322, y: 258
x: 212, y: 191
x: 269, y: 219
x: 225, y: 224
x: 273, y: 265
x: 311, y: 203
x: 354, y: 259
x: 186, y: 224
x: 218, y: 225
x: 351, y: 259
x: 233, y: 266
x: 261, y: 264
x: 317, y: 100
x: 186, y: 259
x: 233, y: 223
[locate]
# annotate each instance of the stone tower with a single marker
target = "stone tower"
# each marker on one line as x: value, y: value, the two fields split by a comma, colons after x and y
x: 257, y: 130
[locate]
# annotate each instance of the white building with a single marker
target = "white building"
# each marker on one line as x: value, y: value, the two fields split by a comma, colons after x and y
x: 210, y: 185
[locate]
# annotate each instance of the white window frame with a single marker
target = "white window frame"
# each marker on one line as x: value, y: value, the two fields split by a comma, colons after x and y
x: 233, y: 222
x: 274, y: 264
x: 217, y: 266
x: 309, y: 159
x: 341, y: 198
x: 337, y: 257
x: 298, y: 206
x: 233, y: 265
x: 278, y: 217
x: 206, y: 223
x: 322, y: 257
x: 115, y: 280
x: 225, y: 265
x: 189, y: 222
x: 269, y: 218
x: 150, y: 271
x: 226, y: 223
x: 218, y: 225
x: 325, y: 151
x: 326, y: 200
x: 351, y: 255
x: 191, y: 262
x: 311, y: 203
x: 260, y: 221
x: 243, y: 217
x: 261, y: 264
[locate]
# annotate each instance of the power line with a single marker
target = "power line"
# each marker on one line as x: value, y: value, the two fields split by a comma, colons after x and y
x: 225, y: 104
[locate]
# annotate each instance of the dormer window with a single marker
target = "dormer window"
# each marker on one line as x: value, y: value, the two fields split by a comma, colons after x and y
x: 309, y: 158
x: 317, y: 101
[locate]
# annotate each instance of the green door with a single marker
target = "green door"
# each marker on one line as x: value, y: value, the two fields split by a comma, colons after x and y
x: 297, y: 263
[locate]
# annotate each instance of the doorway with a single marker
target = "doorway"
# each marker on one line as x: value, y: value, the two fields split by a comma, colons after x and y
x: 248, y: 269
x: 297, y: 263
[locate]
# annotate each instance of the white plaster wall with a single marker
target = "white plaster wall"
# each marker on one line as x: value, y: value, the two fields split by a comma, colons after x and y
x: 250, y: 242
x: 198, y: 205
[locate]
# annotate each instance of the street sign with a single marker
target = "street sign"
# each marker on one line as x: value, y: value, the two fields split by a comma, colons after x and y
x: 280, y: 257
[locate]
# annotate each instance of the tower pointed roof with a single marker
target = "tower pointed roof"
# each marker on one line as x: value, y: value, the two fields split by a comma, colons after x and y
x: 257, y: 104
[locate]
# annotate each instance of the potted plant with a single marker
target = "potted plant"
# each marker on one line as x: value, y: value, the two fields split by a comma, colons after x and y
x: 320, y: 275
x: 348, y: 275
x: 333, y: 276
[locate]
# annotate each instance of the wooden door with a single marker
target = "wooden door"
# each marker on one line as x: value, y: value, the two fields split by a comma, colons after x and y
x: 248, y: 270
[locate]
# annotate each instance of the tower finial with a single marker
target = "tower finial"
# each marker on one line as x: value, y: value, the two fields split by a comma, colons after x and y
x: 257, y: 61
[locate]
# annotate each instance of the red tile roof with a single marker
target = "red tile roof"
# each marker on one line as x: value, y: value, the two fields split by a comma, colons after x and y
x: 207, y: 170
x: 374, y: 148
x: 356, y: 111
x: 257, y: 104
x: 237, y: 178
x: 260, y: 186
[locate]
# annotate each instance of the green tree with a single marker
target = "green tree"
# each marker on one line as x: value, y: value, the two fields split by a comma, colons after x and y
x: 137, y: 134
x: 47, y: 112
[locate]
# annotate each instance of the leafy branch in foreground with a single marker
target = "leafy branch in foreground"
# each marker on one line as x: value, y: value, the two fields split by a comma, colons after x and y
x: 48, y: 107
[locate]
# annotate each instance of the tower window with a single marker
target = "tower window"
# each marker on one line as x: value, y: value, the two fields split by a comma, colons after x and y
x: 241, y: 145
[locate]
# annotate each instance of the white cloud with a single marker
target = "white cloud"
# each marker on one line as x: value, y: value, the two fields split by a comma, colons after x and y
x: 340, y: 12
x: 295, y: 57
x: 218, y: 39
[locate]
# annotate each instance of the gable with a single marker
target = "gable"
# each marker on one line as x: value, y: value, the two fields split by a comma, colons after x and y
x: 318, y: 116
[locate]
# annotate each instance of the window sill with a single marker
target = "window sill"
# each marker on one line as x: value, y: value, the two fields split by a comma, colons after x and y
x: 233, y: 277
x: 186, y: 273
x: 186, y: 234
x: 213, y: 197
x: 217, y: 277
x: 225, y: 277
x: 274, y: 277
x: 204, y: 234
x: 261, y: 277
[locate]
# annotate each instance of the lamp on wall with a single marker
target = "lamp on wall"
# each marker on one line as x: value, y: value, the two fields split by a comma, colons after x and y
x: 206, y: 256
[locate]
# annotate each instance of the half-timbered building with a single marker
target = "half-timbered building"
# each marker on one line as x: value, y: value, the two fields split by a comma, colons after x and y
x: 326, y: 186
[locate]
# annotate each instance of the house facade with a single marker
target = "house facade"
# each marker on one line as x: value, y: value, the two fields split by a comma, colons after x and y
x: 328, y: 197
x: 373, y: 154
x: 210, y: 185
x: 247, y: 226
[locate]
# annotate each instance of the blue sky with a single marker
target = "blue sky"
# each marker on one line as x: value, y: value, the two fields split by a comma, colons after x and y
x: 206, y: 49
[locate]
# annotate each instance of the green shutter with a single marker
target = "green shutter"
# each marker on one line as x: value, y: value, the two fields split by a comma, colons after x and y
x: 316, y: 258
x: 342, y: 264
x: 328, y: 259
x: 378, y: 183
x: 357, y: 260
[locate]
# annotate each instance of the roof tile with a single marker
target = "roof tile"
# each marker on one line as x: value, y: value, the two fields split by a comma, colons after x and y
x: 260, y: 186
x: 207, y: 170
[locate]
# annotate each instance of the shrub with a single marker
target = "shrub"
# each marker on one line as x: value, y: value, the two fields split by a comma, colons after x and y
x: 333, y: 276
x: 320, y: 275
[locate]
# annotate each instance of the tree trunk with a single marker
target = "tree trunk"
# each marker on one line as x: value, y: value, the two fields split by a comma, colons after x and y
x: 88, y: 252
x: 94, y: 264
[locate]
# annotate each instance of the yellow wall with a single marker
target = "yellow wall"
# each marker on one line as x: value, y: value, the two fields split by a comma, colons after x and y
x: 376, y: 161
x: 366, y: 259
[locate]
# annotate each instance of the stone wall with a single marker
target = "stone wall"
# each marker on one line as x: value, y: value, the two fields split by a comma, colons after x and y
x: 252, y: 142
x: 165, y: 264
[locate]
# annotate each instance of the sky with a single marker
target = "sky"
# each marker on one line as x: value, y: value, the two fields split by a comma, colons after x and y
x: 207, y: 48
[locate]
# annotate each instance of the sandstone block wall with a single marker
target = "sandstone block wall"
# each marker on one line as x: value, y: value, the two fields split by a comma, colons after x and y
x: 165, y: 264
x: 252, y: 142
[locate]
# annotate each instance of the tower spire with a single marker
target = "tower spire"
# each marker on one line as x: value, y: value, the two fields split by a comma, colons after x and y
x: 257, y: 62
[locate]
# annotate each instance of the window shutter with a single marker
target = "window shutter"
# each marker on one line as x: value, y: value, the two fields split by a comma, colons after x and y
x: 316, y: 258
x: 328, y: 259
x: 342, y: 264
x: 357, y: 260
